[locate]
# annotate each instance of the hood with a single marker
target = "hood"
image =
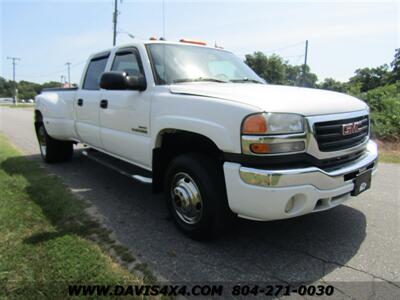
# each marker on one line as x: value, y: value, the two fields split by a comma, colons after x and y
x: 275, y: 98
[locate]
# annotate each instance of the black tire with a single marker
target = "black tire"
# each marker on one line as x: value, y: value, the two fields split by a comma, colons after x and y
x: 52, y: 150
x: 204, y: 175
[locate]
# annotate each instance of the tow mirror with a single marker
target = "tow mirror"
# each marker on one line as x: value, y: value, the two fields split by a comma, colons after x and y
x: 136, y: 82
x: 121, y: 81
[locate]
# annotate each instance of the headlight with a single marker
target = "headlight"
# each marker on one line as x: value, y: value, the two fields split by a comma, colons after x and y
x: 273, y: 133
x: 273, y: 123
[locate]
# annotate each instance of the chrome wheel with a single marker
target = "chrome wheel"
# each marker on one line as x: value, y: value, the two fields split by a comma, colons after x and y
x: 42, y: 140
x: 186, y: 198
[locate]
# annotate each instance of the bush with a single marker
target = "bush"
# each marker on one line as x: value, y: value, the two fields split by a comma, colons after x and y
x: 384, y: 103
x: 386, y: 122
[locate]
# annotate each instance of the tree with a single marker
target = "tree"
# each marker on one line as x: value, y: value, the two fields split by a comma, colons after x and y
x: 396, y: 66
x: 308, y: 79
x: 371, y: 78
x: 272, y: 68
x: 6, y: 88
x: 26, y: 89
x: 50, y: 84
x: 293, y: 74
x: 333, y: 85
x: 277, y: 71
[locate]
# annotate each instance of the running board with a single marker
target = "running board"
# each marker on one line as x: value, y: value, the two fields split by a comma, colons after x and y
x: 120, y: 166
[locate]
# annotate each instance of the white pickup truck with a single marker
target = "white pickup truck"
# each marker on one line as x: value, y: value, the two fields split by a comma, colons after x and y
x: 202, y: 127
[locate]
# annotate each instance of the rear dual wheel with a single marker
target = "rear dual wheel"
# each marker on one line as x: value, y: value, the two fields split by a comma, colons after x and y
x: 52, y: 150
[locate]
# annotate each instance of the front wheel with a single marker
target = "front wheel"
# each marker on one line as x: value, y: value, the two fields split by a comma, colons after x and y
x: 53, y: 150
x: 196, y: 198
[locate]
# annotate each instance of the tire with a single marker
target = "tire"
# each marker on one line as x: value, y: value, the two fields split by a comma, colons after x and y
x: 196, y: 196
x: 52, y: 150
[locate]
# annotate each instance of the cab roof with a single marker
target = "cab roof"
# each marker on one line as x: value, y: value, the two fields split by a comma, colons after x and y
x: 136, y: 42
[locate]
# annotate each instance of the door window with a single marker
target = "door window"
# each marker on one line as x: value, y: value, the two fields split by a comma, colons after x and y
x: 127, y: 62
x: 95, y: 69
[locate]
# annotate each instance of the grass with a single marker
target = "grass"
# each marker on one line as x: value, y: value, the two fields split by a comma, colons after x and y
x: 46, y: 238
x: 19, y: 105
x: 393, y: 158
x: 389, y: 151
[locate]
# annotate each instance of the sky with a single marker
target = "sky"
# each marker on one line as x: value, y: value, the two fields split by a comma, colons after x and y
x: 343, y: 35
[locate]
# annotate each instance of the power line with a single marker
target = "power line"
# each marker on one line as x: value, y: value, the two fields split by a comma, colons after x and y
x: 79, y: 63
x: 277, y: 49
x: 55, y: 72
x: 45, y: 75
x: 284, y: 48
x: 126, y: 32
x: 291, y: 56
x: 131, y: 35
x: 299, y: 59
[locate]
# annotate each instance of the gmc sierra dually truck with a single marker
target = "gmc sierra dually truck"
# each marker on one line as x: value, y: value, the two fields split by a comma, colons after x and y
x: 203, y: 128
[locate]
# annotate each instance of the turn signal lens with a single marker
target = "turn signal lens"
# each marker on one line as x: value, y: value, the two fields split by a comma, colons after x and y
x: 286, y: 147
x: 254, y: 124
x: 259, y: 148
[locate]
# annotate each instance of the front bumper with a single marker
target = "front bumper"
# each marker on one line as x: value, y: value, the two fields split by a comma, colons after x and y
x: 260, y: 194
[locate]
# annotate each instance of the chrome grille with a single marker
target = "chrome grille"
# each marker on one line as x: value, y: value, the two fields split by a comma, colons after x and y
x: 333, y: 136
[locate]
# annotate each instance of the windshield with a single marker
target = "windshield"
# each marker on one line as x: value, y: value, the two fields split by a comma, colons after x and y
x: 178, y: 63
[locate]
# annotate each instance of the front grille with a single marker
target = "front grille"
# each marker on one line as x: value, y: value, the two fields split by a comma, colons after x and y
x: 337, y: 162
x: 330, y: 137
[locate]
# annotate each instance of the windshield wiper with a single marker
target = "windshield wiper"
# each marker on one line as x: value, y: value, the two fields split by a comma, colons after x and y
x: 199, y: 79
x: 240, y: 80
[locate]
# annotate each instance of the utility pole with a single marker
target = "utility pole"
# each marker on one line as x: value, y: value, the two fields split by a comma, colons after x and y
x: 69, y: 74
x: 163, y: 18
x: 115, y: 18
x: 305, y: 64
x: 14, y: 63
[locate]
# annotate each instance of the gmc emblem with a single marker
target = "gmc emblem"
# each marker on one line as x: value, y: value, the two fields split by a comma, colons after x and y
x: 351, y: 128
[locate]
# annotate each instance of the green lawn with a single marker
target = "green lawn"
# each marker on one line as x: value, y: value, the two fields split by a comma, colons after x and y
x: 44, y: 232
x: 19, y: 105
x: 389, y: 151
x: 393, y: 158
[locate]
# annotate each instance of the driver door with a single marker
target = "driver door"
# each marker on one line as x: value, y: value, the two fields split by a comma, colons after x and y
x: 125, y: 119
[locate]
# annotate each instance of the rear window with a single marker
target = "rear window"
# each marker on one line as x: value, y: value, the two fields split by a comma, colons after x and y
x: 95, y: 69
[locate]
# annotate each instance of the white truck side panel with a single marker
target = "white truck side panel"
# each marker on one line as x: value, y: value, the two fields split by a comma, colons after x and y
x: 58, y: 113
x: 209, y: 117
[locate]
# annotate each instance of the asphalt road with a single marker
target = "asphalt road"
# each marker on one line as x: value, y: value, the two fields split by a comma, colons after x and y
x: 358, y: 242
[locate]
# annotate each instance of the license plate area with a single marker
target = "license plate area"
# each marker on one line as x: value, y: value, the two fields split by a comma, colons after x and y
x: 362, y: 182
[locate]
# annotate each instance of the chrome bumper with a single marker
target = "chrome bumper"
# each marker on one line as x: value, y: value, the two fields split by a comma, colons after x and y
x: 317, y: 177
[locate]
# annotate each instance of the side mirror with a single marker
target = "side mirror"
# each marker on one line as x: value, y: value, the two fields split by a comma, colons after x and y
x: 137, y: 82
x: 121, y: 81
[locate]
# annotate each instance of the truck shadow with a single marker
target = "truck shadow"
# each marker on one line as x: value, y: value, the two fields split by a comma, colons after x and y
x: 303, y: 249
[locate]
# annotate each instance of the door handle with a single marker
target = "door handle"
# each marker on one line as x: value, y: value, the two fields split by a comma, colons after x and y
x: 80, y: 102
x: 104, y: 103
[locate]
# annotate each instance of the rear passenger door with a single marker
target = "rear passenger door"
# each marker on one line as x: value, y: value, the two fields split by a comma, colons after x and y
x: 125, y: 128
x: 87, y: 102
